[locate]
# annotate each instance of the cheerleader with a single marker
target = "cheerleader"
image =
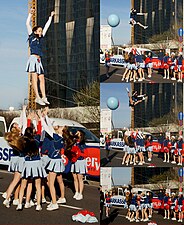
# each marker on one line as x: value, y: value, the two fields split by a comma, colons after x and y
x: 173, y: 205
x: 126, y: 134
x: 133, y: 207
x: 140, y: 147
x: 107, y: 203
x: 149, y: 64
x: 149, y: 148
x: 56, y: 168
x: 166, y: 148
x: 79, y: 168
x: 179, y: 67
x: 140, y: 65
x: 180, y: 203
x: 107, y: 63
x: 16, y: 165
x: 166, y: 66
x: 173, y: 149
x: 34, y: 64
x: 131, y: 150
x: 167, y: 202
x: 180, y: 150
x: 107, y: 146
x: 126, y: 60
x: 32, y: 167
x: 150, y: 204
x: 144, y: 206
x: 132, y: 67
x: 133, y: 18
x: 172, y: 66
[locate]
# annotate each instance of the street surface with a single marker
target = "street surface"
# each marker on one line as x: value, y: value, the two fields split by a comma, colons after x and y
x: 116, y: 156
x: 115, y: 76
x: 61, y: 216
x: 117, y: 216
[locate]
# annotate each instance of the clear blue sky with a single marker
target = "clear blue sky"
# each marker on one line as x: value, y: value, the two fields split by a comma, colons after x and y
x: 121, y: 33
x: 121, y: 116
x: 14, y: 54
x: 121, y: 175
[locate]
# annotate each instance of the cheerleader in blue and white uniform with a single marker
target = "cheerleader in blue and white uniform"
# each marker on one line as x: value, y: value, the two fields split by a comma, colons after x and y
x: 180, y: 150
x: 140, y: 146
x: 126, y: 134
x: 173, y: 149
x: 32, y: 167
x: 34, y: 64
x: 17, y: 158
x: 16, y: 166
x: 79, y: 168
x: 133, y: 207
x: 173, y: 205
x: 144, y: 207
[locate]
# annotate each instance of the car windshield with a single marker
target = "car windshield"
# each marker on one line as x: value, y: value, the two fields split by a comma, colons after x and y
x: 90, y: 137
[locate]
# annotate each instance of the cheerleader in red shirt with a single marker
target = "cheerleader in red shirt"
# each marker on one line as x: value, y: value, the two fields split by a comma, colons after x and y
x: 149, y: 64
x: 165, y: 66
x: 166, y: 148
x: 167, y: 205
x: 149, y: 147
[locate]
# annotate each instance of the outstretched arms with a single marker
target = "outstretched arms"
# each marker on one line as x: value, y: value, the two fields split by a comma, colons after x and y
x: 47, y: 25
x: 28, y: 21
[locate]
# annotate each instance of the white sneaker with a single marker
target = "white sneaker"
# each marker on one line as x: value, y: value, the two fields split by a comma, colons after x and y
x: 15, y: 202
x: 149, y: 160
x: 173, y: 219
x: 164, y: 161
x: 149, y: 76
x: 75, y: 195
x: 49, y: 204
x: 32, y: 203
x: 173, y: 162
x: 27, y: 205
x: 61, y: 200
x: 45, y: 101
x: 44, y: 200
x: 4, y: 195
x: 140, y: 164
x: 38, y: 208
x: 146, y: 220
x: 79, y: 197
x: 145, y: 27
x: 53, y: 207
x: 165, y: 218
x: 19, y: 207
x: 173, y: 78
x: 39, y: 101
x: 127, y: 90
x: 167, y: 161
x: 122, y: 163
x: 6, y: 203
x: 137, y: 221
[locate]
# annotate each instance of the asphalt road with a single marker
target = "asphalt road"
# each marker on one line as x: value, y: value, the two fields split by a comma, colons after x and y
x: 116, y: 156
x: 115, y: 76
x: 117, y: 216
x: 61, y: 216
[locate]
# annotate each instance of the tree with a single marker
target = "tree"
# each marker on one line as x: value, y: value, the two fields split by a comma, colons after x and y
x: 89, y: 97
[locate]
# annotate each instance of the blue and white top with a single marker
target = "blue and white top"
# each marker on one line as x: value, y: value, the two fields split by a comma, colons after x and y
x: 35, y: 42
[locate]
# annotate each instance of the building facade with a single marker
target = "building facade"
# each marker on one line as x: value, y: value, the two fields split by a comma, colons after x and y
x: 71, y: 47
x: 162, y: 99
x: 162, y: 15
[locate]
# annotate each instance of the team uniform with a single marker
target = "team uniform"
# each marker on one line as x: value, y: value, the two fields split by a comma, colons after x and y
x: 80, y: 166
x: 179, y: 147
x: 56, y: 163
x: 16, y: 161
x: 148, y: 62
x: 34, y: 64
x: 33, y: 166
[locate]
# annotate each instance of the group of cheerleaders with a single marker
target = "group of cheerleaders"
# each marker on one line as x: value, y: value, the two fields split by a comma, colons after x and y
x: 140, y: 206
x: 136, y: 64
x: 136, y: 144
x: 38, y: 150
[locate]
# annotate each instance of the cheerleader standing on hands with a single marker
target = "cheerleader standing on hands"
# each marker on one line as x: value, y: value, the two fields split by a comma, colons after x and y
x: 34, y: 64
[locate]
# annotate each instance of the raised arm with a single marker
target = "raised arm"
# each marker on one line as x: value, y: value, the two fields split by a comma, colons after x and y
x: 47, y: 25
x: 28, y: 21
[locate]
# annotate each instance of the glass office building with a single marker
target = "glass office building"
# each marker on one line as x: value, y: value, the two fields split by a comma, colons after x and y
x: 163, y: 98
x: 71, y: 47
x: 162, y: 15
